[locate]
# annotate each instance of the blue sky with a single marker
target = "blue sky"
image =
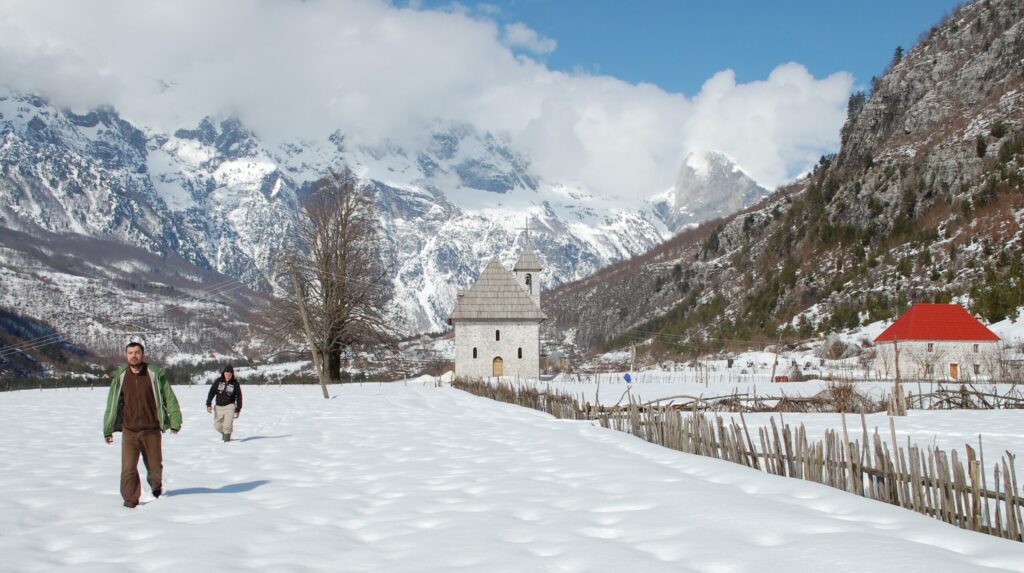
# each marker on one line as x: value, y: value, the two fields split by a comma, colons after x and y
x: 678, y: 44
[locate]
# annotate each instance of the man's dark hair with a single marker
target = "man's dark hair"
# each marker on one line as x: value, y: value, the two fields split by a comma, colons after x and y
x: 139, y: 344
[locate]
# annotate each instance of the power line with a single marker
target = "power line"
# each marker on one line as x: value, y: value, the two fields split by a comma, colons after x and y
x: 56, y: 338
x: 42, y: 341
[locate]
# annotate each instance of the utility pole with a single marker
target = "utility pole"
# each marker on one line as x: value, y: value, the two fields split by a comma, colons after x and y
x: 899, y: 405
x: 778, y: 344
x: 896, y: 359
x: 300, y: 296
x: 632, y: 358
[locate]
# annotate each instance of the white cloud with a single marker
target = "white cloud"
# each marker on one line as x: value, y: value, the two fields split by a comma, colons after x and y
x: 774, y: 128
x: 374, y: 70
x: 519, y: 35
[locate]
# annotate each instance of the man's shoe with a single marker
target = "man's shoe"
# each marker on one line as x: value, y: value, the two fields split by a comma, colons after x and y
x: 158, y: 492
x: 130, y: 505
x: 227, y: 437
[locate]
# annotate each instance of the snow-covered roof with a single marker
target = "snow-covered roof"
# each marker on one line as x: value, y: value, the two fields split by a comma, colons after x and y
x: 937, y: 322
x: 496, y: 295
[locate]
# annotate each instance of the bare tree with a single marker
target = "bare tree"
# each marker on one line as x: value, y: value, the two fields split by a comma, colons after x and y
x: 340, y: 282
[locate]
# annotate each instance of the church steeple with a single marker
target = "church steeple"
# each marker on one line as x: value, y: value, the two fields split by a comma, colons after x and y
x: 528, y: 261
x: 527, y: 270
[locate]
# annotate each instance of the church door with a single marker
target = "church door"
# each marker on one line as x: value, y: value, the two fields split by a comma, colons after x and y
x: 498, y: 367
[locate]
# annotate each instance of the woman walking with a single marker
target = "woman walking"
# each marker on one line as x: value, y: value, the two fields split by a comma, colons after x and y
x: 228, y: 393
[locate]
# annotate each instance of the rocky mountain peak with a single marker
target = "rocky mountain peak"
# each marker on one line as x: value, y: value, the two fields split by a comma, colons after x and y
x: 709, y: 185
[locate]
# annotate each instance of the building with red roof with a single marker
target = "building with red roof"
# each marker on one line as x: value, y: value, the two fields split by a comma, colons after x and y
x: 937, y: 342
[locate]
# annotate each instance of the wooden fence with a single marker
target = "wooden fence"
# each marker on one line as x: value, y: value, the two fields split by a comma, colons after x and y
x: 927, y: 480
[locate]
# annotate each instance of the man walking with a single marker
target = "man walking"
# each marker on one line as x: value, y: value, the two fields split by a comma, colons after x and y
x: 228, y: 392
x: 140, y: 405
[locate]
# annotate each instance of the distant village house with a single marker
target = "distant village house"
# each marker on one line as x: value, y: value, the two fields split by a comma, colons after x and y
x: 937, y: 342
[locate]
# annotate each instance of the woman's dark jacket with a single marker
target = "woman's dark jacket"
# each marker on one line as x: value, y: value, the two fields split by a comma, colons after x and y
x: 226, y: 392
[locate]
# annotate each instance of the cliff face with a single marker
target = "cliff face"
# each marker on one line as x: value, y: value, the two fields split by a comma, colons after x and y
x: 922, y: 202
x: 933, y: 104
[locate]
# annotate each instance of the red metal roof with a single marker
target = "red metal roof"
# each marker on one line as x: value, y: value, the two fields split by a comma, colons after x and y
x: 936, y: 322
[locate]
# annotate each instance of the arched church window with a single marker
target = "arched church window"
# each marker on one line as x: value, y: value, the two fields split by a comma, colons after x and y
x: 520, y: 352
x: 497, y: 336
x: 529, y: 283
x: 474, y: 352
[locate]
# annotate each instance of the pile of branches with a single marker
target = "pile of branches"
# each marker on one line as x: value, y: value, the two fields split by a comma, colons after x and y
x: 837, y: 397
x: 967, y: 397
x: 559, y: 404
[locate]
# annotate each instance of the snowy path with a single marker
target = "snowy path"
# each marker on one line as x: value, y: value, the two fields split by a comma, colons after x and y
x: 410, y: 478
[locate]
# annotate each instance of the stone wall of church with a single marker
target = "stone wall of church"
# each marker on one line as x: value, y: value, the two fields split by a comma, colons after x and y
x: 497, y: 339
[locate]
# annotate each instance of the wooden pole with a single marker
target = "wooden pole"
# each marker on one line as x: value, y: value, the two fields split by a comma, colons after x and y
x: 776, y: 362
x: 899, y: 405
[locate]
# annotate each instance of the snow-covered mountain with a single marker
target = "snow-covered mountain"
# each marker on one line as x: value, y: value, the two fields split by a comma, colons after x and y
x: 708, y: 186
x: 220, y: 198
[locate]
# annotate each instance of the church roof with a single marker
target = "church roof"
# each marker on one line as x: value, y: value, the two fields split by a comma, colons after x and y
x: 496, y: 295
x: 528, y: 260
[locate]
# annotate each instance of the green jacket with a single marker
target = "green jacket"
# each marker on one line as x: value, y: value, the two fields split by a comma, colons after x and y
x: 166, y: 403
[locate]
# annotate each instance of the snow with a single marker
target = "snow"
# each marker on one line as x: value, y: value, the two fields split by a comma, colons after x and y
x: 608, y: 388
x: 1000, y: 430
x: 1010, y: 331
x: 243, y: 173
x: 699, y: 163
x: 414, y: 477
x: 166, y: 170
x: 266, y: 371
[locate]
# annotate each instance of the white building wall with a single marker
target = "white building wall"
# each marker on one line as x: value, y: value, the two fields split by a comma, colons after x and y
x: 973, y: 360
x: 481, y: 335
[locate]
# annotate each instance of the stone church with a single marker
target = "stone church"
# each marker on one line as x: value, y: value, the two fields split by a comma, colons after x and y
x: 497, y: 321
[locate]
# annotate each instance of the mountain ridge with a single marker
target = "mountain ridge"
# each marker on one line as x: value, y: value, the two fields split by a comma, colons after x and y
x: 222, y: 200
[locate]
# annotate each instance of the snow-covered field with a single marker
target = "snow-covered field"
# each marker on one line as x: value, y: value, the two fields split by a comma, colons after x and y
x: 411, y: 477
x: 271, y: 372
